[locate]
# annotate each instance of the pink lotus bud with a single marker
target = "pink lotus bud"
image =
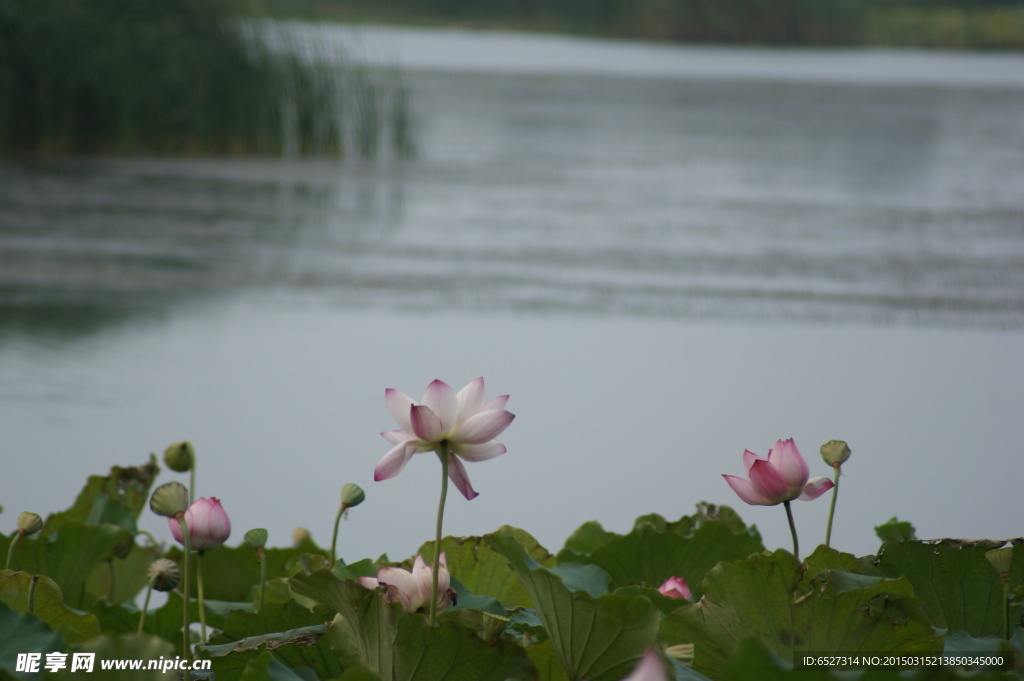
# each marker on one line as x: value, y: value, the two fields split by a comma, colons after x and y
x: 208, y: 525
x: 676, y: 587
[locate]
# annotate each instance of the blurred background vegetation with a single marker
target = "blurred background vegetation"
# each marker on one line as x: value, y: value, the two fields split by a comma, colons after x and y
x: 182, y: 77
x: 199, y: 77
x: 961, y: 24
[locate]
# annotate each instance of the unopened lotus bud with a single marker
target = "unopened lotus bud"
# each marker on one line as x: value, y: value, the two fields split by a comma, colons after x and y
x: 835, y: 452
x: 299, y: 535
x: 494, y: 626
x: 29, y: 523
x: 169, y: 499
x: 257, y: 538
x: 352, y: 495
x: 166, y: 572
x: 180, y: 457
x: 1001, y: 560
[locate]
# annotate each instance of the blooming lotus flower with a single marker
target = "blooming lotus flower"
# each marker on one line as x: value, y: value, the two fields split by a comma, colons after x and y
x: 463, y: 422
x: 676, y: 587
x: 782, y: 476
x: 649, y: 669
x: 412, y: 589
x: 208, y: 525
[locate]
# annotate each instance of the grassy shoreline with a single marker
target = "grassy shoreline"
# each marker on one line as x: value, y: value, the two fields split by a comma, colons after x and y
x: 910, y: 24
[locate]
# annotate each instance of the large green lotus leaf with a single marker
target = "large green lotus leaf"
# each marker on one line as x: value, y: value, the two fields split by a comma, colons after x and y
x: 484, y: 572
x: 266, y: 667
x: 769, y: 598
x: 401, y: 646
x: 958, y: 587
x: 546, y: 661
x: 24, y: 633
x: 233, y: 574
x: 648, y: 556
x: 116, y: 498
x: 294, y: 633
x: 122, y: 579
x: 600, y: 639
x: 69, y: 555
x: 48, y: 605
x: 128, y: 648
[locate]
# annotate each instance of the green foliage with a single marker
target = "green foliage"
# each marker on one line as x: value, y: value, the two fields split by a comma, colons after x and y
x: 656, y: 550
x: 601, y: 638
x: 169, y: 77
x: 401, y: 646
x: 895, y: 530
x: 24, y: 633
x: 957, y: 586
x: 483, y: 571
x: 772, y: 599
x: 47, y: 603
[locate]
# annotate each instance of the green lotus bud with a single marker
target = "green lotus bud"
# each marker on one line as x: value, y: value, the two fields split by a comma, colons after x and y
x: 835, y: 452
x: 167, y: 574
x: 1001, y: 560
x: 256, y: 538
x: 299, y: 535
x: 169, y: 499
x: 180, y: 457
x: 494, y: 626
x: 29, y: 523
x: 352, y: 495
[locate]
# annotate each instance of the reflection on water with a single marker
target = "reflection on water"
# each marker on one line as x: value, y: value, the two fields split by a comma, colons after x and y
x: 689, y: 198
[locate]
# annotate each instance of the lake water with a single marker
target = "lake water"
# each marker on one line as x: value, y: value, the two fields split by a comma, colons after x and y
x: 664, y: 254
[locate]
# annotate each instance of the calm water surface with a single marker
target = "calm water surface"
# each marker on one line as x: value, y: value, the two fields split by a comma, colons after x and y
x: 666, y: 255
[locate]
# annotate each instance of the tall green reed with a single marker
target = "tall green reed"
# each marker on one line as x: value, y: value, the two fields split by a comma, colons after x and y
x: 171, y: 77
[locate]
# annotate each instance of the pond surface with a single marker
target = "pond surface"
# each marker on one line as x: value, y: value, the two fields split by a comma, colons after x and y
x: 665, y: 254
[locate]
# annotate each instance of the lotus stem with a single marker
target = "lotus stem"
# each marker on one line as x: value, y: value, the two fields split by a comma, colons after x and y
x: 1006, y: 605
x: 10, y: 552
x: 437, y: 540
x: 334, y: 539
x: 832, y: 506
x: 792, y: 529
x: 192, y: 482
x: 145, y: 603
x: 186, y: 591
x: 202, y: 606
x: 32, y: 594
x: 263, y: 576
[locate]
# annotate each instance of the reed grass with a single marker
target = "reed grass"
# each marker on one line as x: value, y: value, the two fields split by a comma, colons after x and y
x: 961, y: 24
x: 174, y: 77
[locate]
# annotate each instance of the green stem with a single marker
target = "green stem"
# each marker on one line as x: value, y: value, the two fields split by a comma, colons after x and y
x: 1006, y: 605
x: 832, y: 507
x: 10, y: 552
x: 145, y: 604
x: 187, y: 593
x: 192, y: 482
x: 263, y: 577
x: 202, y: 607
x: 792, y: 528
x: 152, y: 539
x: 437, y: 540
x: 32, y: 594
x: 334, y: 540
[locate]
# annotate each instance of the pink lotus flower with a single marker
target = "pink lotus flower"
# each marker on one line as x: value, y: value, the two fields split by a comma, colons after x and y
x: 208, y: 525
x: 676, y: 587
x: 412, y: 589
x: 649, y: 669
x: 780, y: 477
x: 463, y: 421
